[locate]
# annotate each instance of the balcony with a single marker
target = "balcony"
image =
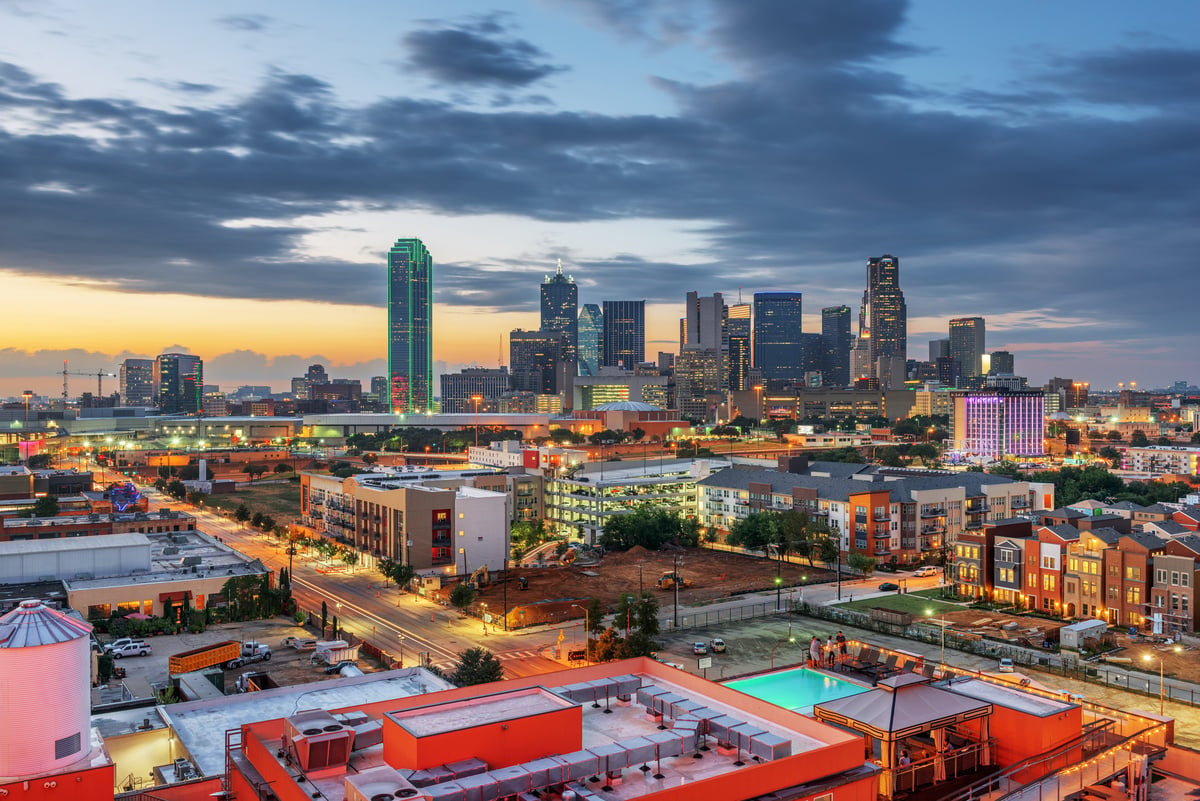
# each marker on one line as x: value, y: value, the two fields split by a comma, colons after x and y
x: 927, y: 530
x: 882, y: 518
x: 927, y: 513
x: 976, y: 508
x: 860, y: 518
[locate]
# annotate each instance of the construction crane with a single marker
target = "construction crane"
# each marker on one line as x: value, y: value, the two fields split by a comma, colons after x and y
x: 99, y: 374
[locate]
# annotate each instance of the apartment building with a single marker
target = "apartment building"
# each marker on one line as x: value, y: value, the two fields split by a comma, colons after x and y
x: 438, y: 524
x: 911, y: 515
x: 1173, y: 594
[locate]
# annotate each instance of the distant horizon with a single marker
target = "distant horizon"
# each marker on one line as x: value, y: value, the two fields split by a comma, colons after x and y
x: 238, y: 196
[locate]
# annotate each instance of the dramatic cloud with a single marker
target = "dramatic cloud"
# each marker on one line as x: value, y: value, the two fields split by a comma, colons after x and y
x: 1064, y: 197
x: 479, y: 53
x: 252, y: 23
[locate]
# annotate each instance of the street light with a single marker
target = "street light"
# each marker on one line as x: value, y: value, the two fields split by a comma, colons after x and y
x: 942, y: 626
x: 477, y: 399
x: 758, y: 395
x: 587, y: 633
x: 781, y: 642
x: 1151, y: 658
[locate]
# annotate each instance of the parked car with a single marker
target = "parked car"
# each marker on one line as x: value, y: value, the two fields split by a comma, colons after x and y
x: 717, y: 645
x: 888, y: 586
x: 121, y: 642
x: 131, y: 649
x: 1006, y: 665
x: 700, y: 648
x: 927, y: 570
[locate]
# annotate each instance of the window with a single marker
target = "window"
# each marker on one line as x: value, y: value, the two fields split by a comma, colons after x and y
x: 1133, y: 595
x: 1073, y: 565
x: 1133, y: 573
x: 1183, y: 600
x: 1048, y: 583
x: 1175, y: 578
x: 1048, y: 562
x: 1031, y: 579
x: 1183, y: 579
x: 1160, y: 576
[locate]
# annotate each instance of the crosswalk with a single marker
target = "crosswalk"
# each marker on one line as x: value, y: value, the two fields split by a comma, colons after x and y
x: 503, y: 657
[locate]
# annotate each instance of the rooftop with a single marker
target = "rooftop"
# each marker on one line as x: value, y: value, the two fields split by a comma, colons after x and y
x: 201, y: 725
x: 79, y: 520
x: 1008, y: 697
x: 174, y: 556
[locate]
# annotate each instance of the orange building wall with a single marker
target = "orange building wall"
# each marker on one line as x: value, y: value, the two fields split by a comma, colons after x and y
x: 96, y: 783
x: 1018, y: 735
x: 499, y: 744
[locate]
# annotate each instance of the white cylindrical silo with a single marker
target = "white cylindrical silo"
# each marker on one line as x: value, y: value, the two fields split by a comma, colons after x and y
x: 45, y: 665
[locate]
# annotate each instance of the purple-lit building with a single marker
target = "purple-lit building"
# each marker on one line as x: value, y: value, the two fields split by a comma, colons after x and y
x: 998, y: 423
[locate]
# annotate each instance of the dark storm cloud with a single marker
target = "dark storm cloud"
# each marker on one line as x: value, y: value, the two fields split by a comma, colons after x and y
x: 252, y: 23
x: 818, y: 158
x: 480, y: 52
x: 1150, y: 76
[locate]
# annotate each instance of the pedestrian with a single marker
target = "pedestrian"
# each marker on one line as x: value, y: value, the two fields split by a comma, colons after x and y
x: 814, y: 651
x: 830, y: 651
x: 904, y: 758
x: 841, y: 641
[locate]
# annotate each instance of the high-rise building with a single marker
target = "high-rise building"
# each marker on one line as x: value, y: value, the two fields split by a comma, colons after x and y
x: 996, y: 423
x: 778, y: 323
x: 812, y: 355
x: 487, y: 384
x: 410, y: 327
x: 704, y: 327
x: 137, y: 382
x: 938, y: 348
x: 836, y: 340
x: 739, y: 335
x: 178, y: 383
x: 591, y: 339
x: 560, y: 313
x: 624, y: 343
x: 967, y: 345
x: 379, y: 385
x: 1002, y: 362
x: 884, y: 316
x: 697, y: 386
x: 535, y: 362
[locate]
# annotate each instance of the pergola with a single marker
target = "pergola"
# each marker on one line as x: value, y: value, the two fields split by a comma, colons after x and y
x: 904, y: 706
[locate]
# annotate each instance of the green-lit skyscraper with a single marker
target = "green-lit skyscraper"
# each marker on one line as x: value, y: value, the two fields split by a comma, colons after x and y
x: 410, y: 327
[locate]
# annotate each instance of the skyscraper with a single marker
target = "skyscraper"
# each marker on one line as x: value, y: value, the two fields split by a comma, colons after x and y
x: 178, y: 383
x: 884, y: 316
x: 938, y: 348
x: 836, y: 339
x: 998, y: 423
x: 967, y: 345
x: 591, y: 339
x: 560, y: 313
x: 737, y: 329
x: 1002, y: 362
x: 410, y: 327
x: 777, y: 327
x: 535, y: 361
x: 137, y: 382
x: 624, y: 341
x: 705, y: 328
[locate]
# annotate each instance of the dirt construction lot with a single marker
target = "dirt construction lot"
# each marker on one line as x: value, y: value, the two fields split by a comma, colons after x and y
x: 713, y: 575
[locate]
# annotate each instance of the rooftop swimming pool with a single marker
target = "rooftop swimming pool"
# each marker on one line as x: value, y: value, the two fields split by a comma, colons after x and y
x: 797, y: 689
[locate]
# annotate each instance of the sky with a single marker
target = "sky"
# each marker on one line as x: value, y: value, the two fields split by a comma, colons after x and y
x: 226, y: 178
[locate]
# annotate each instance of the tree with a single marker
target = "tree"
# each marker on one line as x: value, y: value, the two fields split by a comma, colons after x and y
x: 39, y: 461
x: 349, y: 557
x: 45, y: 506
x: 595, y: 617
x: 650, y: 527
x: 189, y: 472
x: 476, y: 666
x: 463, y: 594
x: 1113, y: 436
x: 1112, y: 454
x: 861, y: 562
x: 1164, y: 441
x: 196, y: 498
x: 1195, y: 440
x: 176, y: 489
x: 643, y: 627
x: 398, y: 572
x: 370, y: 458
x: 267, y: 523
x: 242, y: 513
x: 1139, y: 439
x: 324, y: 616
x: 283, y: 467
x: 256, y: 520
x: 608, y: 645
x: 928, y: 454
x: 755, y: 532
x: 889, y: 457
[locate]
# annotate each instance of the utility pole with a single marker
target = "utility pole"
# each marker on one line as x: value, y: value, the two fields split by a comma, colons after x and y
x: 675, y: 557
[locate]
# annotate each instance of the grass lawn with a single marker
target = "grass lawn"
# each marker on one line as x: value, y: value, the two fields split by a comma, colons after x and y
x: 280, y: 501
x: 933, y: 592
x: 912, y: 603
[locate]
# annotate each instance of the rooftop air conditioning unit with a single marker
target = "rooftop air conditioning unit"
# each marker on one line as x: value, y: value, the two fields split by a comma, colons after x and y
x: 381, y: 784
x: 321, y: 743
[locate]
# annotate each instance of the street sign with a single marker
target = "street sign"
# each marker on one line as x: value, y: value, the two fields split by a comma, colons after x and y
x: 704, y: 662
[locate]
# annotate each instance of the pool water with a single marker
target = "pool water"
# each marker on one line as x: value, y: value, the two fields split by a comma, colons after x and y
x: 796, y: 689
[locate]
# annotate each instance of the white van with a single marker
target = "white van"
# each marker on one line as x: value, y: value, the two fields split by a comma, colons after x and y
x: 926, y: 570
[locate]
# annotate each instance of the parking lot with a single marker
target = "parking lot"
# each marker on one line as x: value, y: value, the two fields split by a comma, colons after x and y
x: 287, y: 665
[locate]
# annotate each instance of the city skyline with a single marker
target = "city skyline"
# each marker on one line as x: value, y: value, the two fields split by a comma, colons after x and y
x: 209, y: 201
